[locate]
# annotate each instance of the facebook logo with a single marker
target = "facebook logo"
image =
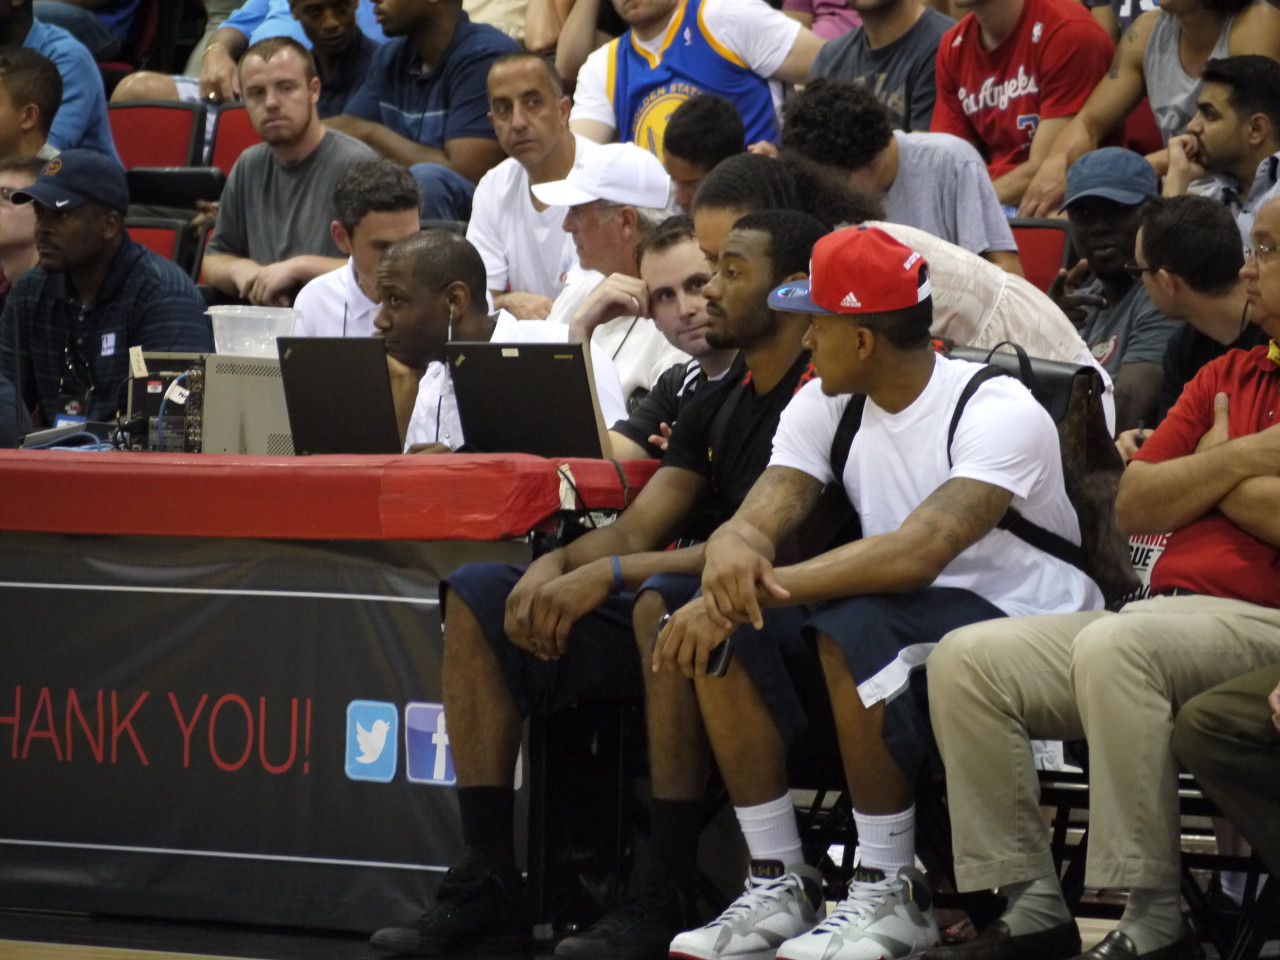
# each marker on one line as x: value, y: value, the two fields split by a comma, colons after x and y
x: 372, y: 733
x: 428, y: 758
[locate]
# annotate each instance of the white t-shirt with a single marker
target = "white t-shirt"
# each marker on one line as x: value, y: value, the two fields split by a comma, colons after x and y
x: 435, y: 413
x: 333, y: 305
x: 977, y: 304
x: 897, y: 461
x: 634, y: 344
x: 522, y: 248
x: 760, y: 35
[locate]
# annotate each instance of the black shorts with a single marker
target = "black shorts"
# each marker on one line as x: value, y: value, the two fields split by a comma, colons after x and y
x: 602, y: 660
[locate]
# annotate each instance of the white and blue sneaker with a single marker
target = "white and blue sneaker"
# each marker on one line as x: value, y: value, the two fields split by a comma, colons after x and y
x: 778, y: 904
x: 880, y: 919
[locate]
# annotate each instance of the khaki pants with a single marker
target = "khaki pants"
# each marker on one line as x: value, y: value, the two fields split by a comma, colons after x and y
x: 1115, y: 679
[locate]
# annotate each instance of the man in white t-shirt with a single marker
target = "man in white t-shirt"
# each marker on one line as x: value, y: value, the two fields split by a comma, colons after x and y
x: 931, y: 555
x: 615, y: 195
x: 527, y: 256
x: 629, y: 87
x: 432, y: 289
x: 375, y: 204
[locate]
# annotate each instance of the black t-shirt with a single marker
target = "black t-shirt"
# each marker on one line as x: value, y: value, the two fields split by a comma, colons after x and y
x: 1188, y: 351
x: 725, y: 433
x: 663, y: 404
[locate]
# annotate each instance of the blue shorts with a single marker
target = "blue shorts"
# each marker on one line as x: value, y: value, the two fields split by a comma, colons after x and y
x: 885, y: 639
x: 602, y: 660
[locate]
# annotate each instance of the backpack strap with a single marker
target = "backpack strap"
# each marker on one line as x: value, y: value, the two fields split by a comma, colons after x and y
x: 846, y: 429
x: 1013, y: 521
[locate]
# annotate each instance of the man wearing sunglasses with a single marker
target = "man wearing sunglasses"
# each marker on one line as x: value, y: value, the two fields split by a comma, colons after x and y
x: 1106, y: 193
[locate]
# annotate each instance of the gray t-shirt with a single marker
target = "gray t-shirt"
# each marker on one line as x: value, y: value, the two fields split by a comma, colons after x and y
x: 1132, y: 331
x: 942, y: 186
x: 270, y: 213
x: 900, y: 73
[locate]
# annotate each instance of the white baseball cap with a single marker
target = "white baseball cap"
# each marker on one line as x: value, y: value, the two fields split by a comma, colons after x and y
x: 617, y: 172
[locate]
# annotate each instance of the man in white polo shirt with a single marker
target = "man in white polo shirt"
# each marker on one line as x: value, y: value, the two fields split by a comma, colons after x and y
x: 375, y: 203
x: 616, y: 194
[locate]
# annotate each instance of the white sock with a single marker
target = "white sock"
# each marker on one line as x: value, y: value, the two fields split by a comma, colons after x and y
x: 1152, y: 918
x: 771, y: 832
x: 1034, y: 905
x: 887, y: 842
x: 1232, y: 883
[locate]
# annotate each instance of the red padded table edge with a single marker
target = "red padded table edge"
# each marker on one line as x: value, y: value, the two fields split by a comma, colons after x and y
x: 393, y: 497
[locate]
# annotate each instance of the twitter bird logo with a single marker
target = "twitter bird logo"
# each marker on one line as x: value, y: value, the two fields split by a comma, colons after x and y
x: 372, y: 740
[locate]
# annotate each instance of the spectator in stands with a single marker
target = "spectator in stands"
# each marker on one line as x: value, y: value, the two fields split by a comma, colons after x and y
x: 701, y: 132
x: 13, y: 424
x: 30, y: 94
x: 526, y: 254
x: 431, y: 287
x: 582, y: 624
x: 272, y: 233
x: 215, y: 14
x: 342, y: 35
x: 1011, y: 75
x: 1234, y: 134
x: 81, y: 119
x: 892, y: 53
x: 627, y: 88
x: 932, y: 181
x: 827, y: 19
x: 1116, y: 16
x: 17, y: 221
x: 101, y: 25
x: 1107, y: 190
x: 94, y: 295
x: 673, y: 271
x: 424, y: 101
x: 615, y: 196
x: 375, y: 204
x: 1208, y: 473
x: 931, y: 558
x: 1187, y: 252
x: 1150, y: 62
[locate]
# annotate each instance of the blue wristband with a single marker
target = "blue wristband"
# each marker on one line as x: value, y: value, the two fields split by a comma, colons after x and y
x: 617, y: 573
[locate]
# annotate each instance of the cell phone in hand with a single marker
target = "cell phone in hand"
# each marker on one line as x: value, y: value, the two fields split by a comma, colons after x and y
x: 718, y: 662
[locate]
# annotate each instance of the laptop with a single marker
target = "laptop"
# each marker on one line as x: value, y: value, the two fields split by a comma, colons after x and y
x: 537, y: 398
x: 338, y: 394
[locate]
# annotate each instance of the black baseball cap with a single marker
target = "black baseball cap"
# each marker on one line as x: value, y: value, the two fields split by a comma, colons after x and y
x: 75, y: 177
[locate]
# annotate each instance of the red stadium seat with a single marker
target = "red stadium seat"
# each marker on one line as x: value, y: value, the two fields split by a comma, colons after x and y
x: 157, y: 133
x: 232, y: 136
x: 168, y: 238
x: 1042, y: 247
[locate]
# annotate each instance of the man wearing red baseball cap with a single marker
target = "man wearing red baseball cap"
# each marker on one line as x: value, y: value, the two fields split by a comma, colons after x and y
x: 931, y: 558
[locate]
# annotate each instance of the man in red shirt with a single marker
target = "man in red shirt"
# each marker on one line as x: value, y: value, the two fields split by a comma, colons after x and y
x: 1211, y: 474
x: 1011, y: 75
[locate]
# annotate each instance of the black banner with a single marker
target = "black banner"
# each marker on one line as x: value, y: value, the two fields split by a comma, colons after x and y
x: 225, y: 729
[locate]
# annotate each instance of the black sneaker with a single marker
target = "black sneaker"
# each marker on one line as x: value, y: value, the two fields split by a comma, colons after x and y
x: 477, y: 913
x: 641, y: 927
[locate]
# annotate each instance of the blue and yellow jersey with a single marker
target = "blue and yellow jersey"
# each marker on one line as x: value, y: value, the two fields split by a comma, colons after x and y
x: 645, y: 88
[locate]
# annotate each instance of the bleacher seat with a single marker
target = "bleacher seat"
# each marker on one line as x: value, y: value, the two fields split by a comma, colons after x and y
x: 232, y: 136
x: 157, y: 133
x: 1042, y: 247
x: 169, y: 238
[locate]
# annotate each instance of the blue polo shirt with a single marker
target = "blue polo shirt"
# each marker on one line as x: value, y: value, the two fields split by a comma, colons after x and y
x: 145, y: 300
x: 433, y: 107
x: 82, y: 119
x: 260, y: 19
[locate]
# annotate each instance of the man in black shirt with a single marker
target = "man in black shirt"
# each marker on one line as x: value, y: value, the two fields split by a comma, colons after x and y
x: 574, y: 623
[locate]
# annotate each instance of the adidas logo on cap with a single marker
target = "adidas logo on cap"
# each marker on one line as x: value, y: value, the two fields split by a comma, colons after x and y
x: 850, y: 300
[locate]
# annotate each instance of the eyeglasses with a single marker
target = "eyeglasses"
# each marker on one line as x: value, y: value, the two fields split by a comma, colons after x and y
x: 1136, y: 270
x: 1262, y: 252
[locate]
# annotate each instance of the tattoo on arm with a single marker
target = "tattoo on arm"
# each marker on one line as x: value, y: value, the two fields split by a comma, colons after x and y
x: 779, y: 500
x: 1129, y: 39
x: 961, y: 512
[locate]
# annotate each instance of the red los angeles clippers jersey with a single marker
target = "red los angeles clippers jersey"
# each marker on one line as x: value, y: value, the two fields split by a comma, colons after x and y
x: 1046, y: 68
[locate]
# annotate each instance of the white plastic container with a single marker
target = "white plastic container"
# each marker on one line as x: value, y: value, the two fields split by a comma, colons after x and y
x: 251, y: 331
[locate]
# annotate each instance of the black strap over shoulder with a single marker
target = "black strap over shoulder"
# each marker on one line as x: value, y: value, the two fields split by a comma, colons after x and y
x: 1013, y: 521
x: 848, y: 426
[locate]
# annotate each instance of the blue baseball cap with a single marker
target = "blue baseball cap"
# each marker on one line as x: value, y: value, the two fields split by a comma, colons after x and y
x: 75, y: 177
x: 1112, y: 173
